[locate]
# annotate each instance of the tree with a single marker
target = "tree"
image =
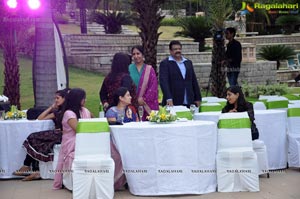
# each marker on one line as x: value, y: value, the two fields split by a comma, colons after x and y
x: 148, y: 21
x: 11, y: 67
x: 12, y: 26
x: 218, y: 10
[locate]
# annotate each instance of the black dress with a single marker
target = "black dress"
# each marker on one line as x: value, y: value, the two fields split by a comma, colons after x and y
x: 39, y: 145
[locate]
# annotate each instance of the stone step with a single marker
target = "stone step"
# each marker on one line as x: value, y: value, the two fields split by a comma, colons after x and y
x: 80, y: 46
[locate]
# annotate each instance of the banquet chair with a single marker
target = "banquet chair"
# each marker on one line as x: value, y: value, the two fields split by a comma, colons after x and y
x: 259, y: 106
x: 260, y: 149
x: 237, y: 166
x: 47, y: 168
x: 277, y: 103
x: 209, y: 107
x: 93, y: 167
x: 182, y: 112
x: 294, y: 137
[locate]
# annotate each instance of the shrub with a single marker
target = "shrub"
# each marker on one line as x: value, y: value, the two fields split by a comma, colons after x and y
x: 113, y: 21
x: 169, y: 22
x: 196, y: 28
x: 276, y: 53
x: 254, y: 91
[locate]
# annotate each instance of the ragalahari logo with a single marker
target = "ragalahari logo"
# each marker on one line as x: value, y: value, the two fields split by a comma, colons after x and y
x: 246, y: 8
x: 271, y: 8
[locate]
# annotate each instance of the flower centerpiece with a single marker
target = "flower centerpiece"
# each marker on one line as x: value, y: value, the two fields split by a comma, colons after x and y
x: 161, y: 116
x: 14, y: 114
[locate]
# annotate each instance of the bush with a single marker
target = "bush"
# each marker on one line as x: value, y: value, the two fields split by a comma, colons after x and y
x: 276, y: 53
x: 196, y: 28
x: 254, y: 91
x: 113, y: 21
x: 169, y: 22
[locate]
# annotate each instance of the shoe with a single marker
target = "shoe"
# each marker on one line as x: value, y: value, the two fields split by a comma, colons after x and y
x: 33, y: 176
x: 23, y: 171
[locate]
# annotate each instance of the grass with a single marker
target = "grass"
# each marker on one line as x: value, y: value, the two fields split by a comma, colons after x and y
x: 89, y: 81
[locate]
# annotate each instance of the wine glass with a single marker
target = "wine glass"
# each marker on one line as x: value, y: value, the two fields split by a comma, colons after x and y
x: 168, y: 109
x: 121, y: 117
x: 193, y: 109
x: 141, y: 112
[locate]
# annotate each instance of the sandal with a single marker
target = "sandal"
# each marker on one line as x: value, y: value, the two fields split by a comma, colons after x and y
x: 23, y: 171
x: 33, y: 176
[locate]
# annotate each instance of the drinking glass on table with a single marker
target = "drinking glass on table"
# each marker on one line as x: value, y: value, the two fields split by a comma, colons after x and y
x: 2, y: 115
x: 141, y: 112
x: 121, y: 116
x: 193, y: 109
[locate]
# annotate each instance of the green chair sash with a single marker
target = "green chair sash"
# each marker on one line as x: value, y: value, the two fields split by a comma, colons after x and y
x: 293, y: 112
x: 204, y: 108
x: 277, y: 104
x: 236, y: 123
x: 291, y: 97
x: 185, y: 114
x: 92, y: 127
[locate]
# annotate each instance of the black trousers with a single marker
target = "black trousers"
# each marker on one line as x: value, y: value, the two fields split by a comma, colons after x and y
x: 29, y: 161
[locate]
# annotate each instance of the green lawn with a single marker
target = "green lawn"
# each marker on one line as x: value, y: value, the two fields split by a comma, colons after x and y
x: 89, y: 81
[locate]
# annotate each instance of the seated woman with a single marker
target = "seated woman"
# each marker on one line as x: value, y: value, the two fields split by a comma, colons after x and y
x: 236, y: 102
x: 39, y: 145
x: 73, y: 110
x: 121, y: 112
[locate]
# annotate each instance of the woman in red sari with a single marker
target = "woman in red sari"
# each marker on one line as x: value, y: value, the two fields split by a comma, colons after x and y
x: 145, y: 79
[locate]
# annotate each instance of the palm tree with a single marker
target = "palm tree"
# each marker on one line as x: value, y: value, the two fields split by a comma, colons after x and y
x: 44, y: 61
x: 8, y: 42
x: 148, y: 21
x: 219, y: 11
x: 11, y: 67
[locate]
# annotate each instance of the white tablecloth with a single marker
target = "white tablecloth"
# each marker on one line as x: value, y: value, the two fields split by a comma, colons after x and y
x: 272, y: 127
x: 167, y: 159
x: 12, y: 135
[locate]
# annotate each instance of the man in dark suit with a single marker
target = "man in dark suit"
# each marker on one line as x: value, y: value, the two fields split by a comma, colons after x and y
x: 177, y: 79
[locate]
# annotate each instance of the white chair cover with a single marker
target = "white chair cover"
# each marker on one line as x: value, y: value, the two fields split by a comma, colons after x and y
x: 260, y: 149
x: 294, y: 137
x: 259, y: 106
x: 236, y: 161
x: 47, y: 168
x: 93, y: 167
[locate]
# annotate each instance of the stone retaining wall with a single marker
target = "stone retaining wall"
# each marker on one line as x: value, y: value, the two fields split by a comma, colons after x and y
x: 260, y: 72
